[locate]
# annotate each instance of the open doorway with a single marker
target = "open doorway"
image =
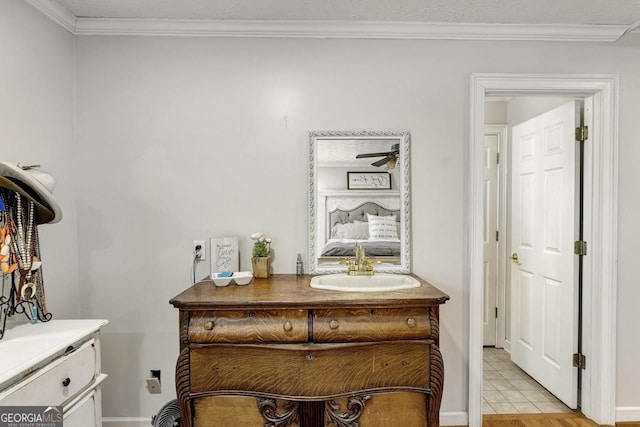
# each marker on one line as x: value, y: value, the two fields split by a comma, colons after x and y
x: 598, y: 392
x: 540, y: 153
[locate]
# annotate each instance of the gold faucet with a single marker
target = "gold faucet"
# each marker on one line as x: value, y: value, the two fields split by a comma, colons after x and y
x: 360, y: 265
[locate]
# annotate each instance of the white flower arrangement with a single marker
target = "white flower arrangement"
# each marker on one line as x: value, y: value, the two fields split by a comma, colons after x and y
x: 261, y: 245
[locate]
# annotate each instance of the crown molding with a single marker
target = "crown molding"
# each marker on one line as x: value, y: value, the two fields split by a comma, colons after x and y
x: 328, y: 29
x: 58, y: 14
x: 348, y: 30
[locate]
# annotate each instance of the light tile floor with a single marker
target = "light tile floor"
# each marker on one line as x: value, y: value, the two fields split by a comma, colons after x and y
x: 507, y: 389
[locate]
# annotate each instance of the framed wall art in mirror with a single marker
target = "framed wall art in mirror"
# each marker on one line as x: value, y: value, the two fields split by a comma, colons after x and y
x: 362, y: 209
x: 368, y: 181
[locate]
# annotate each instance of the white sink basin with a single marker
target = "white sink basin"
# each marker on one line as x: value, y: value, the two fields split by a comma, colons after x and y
x: 379, y: 282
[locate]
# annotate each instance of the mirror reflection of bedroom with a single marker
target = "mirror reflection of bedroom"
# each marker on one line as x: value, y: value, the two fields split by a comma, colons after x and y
x: 359, y: 199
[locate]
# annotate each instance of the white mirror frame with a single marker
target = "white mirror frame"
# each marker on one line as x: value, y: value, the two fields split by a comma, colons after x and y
x: 403, y: 163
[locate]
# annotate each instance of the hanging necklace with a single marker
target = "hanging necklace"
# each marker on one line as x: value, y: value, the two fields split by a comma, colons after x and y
x: 8, y: 261
x: 24, y: 248
x: 25, y: 254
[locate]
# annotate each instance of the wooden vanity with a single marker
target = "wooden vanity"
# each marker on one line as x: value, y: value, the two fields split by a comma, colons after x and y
x: 279, y: 353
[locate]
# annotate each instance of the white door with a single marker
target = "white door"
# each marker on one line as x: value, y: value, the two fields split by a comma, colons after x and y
x: 490, y: 239
x: 543, y: 231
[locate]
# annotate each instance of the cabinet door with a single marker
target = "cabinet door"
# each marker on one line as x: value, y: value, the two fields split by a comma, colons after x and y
x: 404, y: 409
x: 225, y: 411
x: 85, y: 412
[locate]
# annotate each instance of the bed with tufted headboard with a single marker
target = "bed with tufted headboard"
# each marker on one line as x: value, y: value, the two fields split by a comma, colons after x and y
x: 371, y: 225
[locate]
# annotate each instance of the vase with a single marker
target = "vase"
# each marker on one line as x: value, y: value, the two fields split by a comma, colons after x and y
x: 261, y: 267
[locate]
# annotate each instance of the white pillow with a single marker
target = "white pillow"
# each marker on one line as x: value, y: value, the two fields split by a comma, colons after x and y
x: 351, y: 230
x: 382, y: 227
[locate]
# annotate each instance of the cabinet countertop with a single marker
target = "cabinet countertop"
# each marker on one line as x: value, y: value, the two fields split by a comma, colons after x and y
x: 294, y: 291
x: 27, y: 345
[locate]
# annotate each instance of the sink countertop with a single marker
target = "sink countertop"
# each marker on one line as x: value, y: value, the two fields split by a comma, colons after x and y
x: 295, y: 291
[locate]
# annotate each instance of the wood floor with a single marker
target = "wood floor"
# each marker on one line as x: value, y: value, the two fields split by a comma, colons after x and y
x: 543, y: 420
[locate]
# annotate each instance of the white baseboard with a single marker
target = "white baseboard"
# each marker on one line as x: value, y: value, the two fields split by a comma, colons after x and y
x: 627, y: 413
x: 126, y: 421
x: 454, y: 418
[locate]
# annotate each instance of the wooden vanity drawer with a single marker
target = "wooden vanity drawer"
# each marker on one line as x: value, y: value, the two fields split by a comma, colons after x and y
x: 56, y: 383
x: 245, y: 326
x: 371, y: 324
x: 317, y: 371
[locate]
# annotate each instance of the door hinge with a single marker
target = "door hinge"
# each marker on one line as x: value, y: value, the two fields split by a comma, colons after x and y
x: 497, y: 158
x: 582, y: 133
x: 496, y: 312
x: 497, y: 236
x: 579, y: 361
x: 580, y: 247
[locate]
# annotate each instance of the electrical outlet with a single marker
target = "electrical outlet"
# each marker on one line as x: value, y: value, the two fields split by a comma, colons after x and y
x: 202, y: 251
x: 153, y: 385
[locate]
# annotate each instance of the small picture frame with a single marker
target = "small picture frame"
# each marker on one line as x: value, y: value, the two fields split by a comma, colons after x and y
x: 368, y: 181
x: 224, y: 254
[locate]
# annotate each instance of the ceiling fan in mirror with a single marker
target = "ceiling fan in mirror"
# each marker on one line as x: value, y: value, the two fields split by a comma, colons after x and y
x: 389, y: 158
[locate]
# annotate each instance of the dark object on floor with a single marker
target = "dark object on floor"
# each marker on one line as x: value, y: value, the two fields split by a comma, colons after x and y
x: 168, y: 416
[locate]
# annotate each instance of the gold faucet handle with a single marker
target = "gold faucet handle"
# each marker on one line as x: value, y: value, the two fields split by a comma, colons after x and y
x: 348, y: 262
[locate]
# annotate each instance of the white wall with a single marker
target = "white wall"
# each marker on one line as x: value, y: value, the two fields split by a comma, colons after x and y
x: 185, y: 138
x: 495, y: 112
x: 36, y: 127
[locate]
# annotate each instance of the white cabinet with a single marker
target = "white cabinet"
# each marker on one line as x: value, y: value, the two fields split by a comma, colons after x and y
x: 57, y: 363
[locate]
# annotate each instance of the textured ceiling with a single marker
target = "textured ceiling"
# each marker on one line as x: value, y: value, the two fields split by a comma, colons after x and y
x: 578, y: 12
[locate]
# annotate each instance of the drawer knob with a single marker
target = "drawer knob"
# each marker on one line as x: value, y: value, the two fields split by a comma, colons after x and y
x: 334, y: 324
x: 66, y: 382
x: 287, y: 326
x: 208, y: 325
x: 411, y: 322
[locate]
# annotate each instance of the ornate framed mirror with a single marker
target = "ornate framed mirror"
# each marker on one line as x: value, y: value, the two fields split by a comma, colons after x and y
x: 359, y: 193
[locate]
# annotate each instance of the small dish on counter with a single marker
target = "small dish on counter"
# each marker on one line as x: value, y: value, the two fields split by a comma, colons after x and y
x: 221, y: 279
x: 242, y: 277
x: 226, y: 278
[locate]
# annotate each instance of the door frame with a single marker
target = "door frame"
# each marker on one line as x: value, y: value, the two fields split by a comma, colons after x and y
x: 501, y: 268
x: 600, y: 229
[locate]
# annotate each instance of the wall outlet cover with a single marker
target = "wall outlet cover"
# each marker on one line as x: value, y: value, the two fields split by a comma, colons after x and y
x: 153, y: 385
x: 203, y: 249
